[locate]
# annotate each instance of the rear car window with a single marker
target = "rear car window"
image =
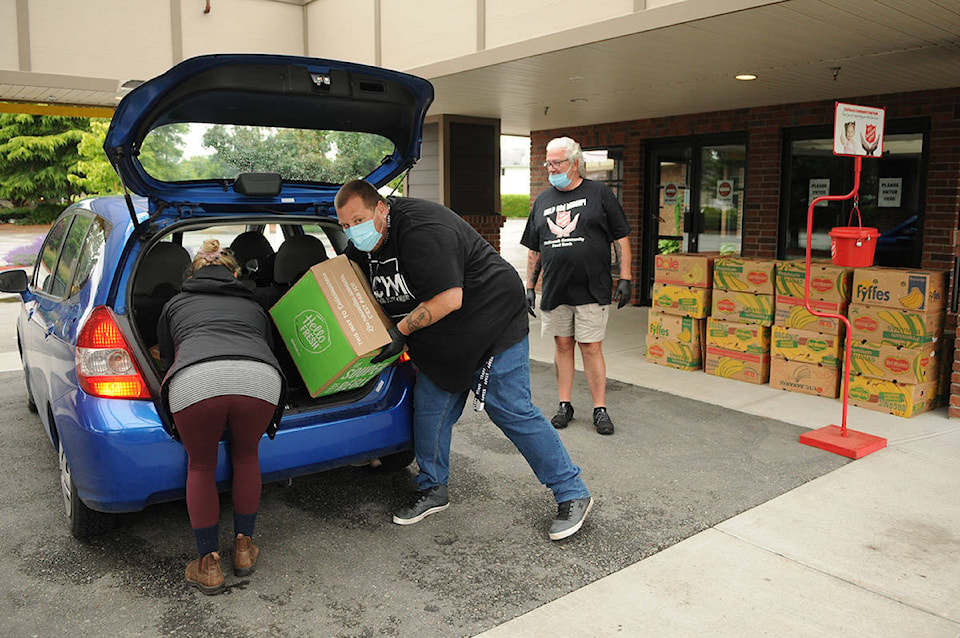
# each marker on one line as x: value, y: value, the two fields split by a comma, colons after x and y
x: 195, y: 152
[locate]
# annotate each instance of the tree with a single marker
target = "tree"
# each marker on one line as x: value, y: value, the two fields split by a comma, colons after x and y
x: 37, y: 153
x: 95, y: 174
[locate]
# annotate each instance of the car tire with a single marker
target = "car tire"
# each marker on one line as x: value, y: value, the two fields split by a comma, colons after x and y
x: 395, y: 462
x: 83, y: 521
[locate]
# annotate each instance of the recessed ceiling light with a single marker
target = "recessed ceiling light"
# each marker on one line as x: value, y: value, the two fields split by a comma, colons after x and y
x: 746, y: 77
x: 575, y: 78
x: 578, y: 99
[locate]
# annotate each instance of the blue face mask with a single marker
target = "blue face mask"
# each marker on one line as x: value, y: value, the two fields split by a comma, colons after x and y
x: 559, y: 180
x: 364, y: 235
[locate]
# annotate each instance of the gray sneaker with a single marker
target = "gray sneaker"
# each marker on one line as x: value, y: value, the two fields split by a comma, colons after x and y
x: 422, y: 504
x: 570, y: 517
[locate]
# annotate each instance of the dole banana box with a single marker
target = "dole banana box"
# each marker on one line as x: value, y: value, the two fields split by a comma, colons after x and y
x: 743, y: 307
x: 807, y: 378
x: 332, y: 326
x: 745, y: 275
x: 742, y: 366
x: 906, y: 400
x: 792, y: 313
x: 804, y: 345
x: 685, y: 269
x: 674, y: 354
x: 900, y: 288
x: 742, y: 337
x: 689, y: 301
x: 675, y: 327
x: 895, y: 327
x: 827, y: 282
x: 895, y: 363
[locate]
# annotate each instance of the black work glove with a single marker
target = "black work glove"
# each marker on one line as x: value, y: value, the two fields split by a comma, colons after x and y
x: 393, y: 348
x: 623, y: 293
x: 531, y: 301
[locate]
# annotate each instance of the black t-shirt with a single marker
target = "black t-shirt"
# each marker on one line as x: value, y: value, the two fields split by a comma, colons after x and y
x: 430, y: 249
x: 572, y: 231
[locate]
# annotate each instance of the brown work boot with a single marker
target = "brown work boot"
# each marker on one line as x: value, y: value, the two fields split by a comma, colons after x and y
x: 244, y: 555
x: 205, y: 574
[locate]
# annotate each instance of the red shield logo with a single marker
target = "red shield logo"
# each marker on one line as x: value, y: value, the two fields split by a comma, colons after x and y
x: 563, y: 218
x: 871, y: 133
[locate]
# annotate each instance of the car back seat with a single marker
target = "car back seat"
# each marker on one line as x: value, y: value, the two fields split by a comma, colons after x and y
x: 158, y: 279
x: 249, y: 247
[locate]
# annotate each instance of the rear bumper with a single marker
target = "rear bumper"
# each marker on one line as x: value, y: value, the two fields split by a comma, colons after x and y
x: 122, y: 460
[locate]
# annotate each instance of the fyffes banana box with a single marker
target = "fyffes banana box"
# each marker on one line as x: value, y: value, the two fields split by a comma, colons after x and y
x: 895, y: 363
x: 688, y: 301
x: 792, y: 313
x: 807, y: 378
x: 745, y: 275
x: 803, y: 345
x: 900, y: 288
x: 906, y: 400
x: 667, y: 352
x: 332, y: 326
x: 827, y: 282
x: 742, y: 366
x: 895, y: 327
x: 685, y: 269
x: 743, y: 307
x: 742, y: 337
x: 676, y: 327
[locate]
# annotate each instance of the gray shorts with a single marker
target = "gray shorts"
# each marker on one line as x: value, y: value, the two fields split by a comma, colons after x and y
x: 586, y: 323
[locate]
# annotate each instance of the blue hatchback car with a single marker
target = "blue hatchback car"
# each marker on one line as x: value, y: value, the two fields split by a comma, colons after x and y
x: 250, y: 149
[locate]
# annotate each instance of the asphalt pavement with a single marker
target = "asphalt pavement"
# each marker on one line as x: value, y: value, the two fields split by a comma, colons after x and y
x: 711, y: 519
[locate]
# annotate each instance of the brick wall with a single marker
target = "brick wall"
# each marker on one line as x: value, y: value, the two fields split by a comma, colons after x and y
x: 764, y: 128
x: 488, y: 226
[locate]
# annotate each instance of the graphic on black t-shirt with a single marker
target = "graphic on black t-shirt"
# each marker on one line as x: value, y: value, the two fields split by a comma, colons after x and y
x: 563, y: 225
x: 388, y: 283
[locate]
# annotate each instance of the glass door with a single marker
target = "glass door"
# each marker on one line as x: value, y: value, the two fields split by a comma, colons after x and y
x: 719, y: 226
x: 668, y: 200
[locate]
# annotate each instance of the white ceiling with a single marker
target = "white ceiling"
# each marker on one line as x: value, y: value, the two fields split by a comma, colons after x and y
x: 880, y: 46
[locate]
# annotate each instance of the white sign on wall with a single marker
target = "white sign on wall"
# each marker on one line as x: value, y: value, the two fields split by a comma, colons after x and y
x: 890, y: 190
x: 858, y: 130
x: 818, y: 188
x: 725, y: 190
x: 670, y: 191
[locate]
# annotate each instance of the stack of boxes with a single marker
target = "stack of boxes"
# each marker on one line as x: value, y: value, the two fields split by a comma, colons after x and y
x: 897, y: 318
x: 808, y: 350
x: 742, y: 311
x: 681, y: 301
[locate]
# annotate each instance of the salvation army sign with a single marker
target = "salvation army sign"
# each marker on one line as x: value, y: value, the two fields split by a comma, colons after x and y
x: 858, y: 130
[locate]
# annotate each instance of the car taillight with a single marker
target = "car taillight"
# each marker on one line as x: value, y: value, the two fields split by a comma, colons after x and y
x: 403, y: 358
x: 105, y: 366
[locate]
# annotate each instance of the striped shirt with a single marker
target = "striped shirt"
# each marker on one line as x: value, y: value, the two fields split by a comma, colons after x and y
x: 221, y: 377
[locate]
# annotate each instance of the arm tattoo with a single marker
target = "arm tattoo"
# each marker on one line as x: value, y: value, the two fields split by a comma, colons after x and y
x: 419, y: 317
x: 533, y: 268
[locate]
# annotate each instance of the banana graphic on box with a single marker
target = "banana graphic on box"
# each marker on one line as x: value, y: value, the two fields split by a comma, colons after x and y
x: 729, y: 367
x: 693, y: 275
x: 913, y: 300
x: 800, y: 318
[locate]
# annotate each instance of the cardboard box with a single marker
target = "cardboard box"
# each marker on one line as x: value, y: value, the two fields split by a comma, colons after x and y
x: 743, y: 307
x: 807, y: 378
x: 900, y: 288
x: 792, y: 313
x: 332, y: 326
x: 804, y: 345
x: 675, y: 327
x: 685, y: 269
x: 668, y: 352
x: 688, y: 301
x: 895, y: 327
x: 904, y: 400
x: 827, y: 282
x: 742, y: 366
x: 895, y: 363
x: 745, y: 275
x: 742, y: 337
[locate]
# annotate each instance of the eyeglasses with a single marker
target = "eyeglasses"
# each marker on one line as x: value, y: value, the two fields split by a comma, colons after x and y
x: 555, y: 163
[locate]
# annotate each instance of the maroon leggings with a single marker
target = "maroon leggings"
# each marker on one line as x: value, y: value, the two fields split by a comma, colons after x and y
x: 200, y: 426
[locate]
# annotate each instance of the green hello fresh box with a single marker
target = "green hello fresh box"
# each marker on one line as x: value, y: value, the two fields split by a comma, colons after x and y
x: 332, y: 326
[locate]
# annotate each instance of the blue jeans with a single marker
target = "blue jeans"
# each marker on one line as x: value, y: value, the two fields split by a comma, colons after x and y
x: 510, y: 407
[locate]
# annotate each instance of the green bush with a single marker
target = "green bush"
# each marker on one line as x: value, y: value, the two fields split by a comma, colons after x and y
x: 45, y: 213
x: 514, y: 205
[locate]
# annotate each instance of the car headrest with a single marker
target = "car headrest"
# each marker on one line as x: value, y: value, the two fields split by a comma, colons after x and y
x: 295, y: 257
x: 253, y: 245
x: 166, y: 263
